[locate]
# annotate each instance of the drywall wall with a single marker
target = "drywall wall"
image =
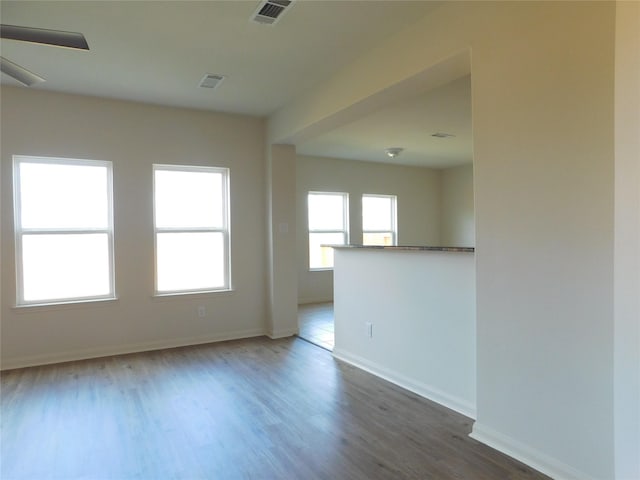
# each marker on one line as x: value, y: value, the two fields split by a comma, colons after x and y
x: 418, y: 208
x: 421, y: 307
x: 457, y: 217
x: 133, y: 137
x: 542, y: 93
x: 281, y: 230
x: 544, y: 204
x: 627, y: 241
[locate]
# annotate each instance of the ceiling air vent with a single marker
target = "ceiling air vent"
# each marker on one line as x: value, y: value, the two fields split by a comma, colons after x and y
x: 270, y: 11
x: 442, y: 135
x: 211, y: 81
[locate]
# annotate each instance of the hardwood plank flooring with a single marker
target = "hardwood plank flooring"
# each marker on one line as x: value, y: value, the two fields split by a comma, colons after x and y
x: 247, y: 409
x: 315, y: 324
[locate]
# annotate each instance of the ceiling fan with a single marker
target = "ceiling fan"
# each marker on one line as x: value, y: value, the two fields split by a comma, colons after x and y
x: 56, y: 38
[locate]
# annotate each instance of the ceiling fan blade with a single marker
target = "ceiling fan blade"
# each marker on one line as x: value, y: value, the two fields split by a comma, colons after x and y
x: 57, y: 38
x: 21, y: 74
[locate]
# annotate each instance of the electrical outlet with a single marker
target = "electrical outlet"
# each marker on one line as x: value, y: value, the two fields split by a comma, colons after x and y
x: 369, y: 326
x: 202, y: 311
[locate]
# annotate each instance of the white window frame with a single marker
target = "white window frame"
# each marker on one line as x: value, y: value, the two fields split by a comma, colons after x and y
x: 394, y: 217
x: 20, y: 232
x: 344, y: 231
x: 225, y: 230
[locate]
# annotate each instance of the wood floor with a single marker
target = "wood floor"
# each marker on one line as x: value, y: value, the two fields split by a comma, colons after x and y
x: 315, y: 324
x: 248, y: 409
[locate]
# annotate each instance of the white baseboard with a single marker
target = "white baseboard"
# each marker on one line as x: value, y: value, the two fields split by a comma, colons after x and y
x: 58, y: 357
x: 454, y: 403
x: 309, y: 300
x: 282, y: 333
x: 535, y: 459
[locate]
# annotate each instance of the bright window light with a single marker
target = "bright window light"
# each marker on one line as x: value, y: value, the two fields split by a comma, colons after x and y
x: 189, y: 199
x: 64, y: 230
x: 191, y: 229
x: 328, y: 225
x: 64, y: 196
x: 190, y: 261
x: 379, y: 220
x: 65, y: 266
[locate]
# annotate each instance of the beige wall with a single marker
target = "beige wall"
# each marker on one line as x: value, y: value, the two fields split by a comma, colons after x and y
x: 424, y: 335
x: 543, y: 150
x: 543, y: 119
x: 417, y: 189
x: 281, y: 231
x: 133, y: 137
x: 457, y: 216
x: 542, y: 93
x: 627, y: 241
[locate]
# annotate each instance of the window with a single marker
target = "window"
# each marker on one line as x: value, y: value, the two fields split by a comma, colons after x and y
x: 64, y: 230
x: 379, y: 220
x: 191, y: 223
x: 328, y: 220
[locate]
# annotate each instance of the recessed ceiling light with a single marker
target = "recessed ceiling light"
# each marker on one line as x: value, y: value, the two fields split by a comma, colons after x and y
x: 442, y: 135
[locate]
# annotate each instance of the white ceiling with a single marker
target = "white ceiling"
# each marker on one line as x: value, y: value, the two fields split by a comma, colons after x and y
x: 408, y: 124
x: 158, y: 51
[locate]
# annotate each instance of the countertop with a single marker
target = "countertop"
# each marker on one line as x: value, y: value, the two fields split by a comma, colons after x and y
x: 406, y: 248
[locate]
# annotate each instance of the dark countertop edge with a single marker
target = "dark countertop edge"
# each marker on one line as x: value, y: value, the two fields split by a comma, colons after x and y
x: 412, y: 248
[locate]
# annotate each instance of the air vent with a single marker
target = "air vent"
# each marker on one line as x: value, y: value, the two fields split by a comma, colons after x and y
x: 270, y: 11
x: 211, y: 81
x: 442, y: 135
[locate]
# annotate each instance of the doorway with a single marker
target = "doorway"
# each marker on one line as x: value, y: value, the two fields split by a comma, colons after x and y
x: 315, y: 324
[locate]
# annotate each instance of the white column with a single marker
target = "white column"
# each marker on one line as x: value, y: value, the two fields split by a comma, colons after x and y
x: 281, y: 246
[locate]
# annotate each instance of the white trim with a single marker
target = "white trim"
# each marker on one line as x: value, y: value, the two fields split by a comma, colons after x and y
x: 20, y: 232
x: 282, y: 333
x: 107, y: 351
x: 393, y: 219
x: 344, y: 231
x: 190, y: 292
x: 453, y: 402
x: 535, y: 459
x: 225, y: 230
x: 58, y: 303
x: 309, y: 300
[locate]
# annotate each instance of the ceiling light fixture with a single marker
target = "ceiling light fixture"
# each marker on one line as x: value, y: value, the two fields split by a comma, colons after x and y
x: 393, y: 152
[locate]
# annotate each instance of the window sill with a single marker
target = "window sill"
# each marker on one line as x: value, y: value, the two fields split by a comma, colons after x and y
x: 170, y: 295
x: 65, y: 305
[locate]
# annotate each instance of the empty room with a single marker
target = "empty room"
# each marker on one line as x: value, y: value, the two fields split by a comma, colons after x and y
x: 456, y: 184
